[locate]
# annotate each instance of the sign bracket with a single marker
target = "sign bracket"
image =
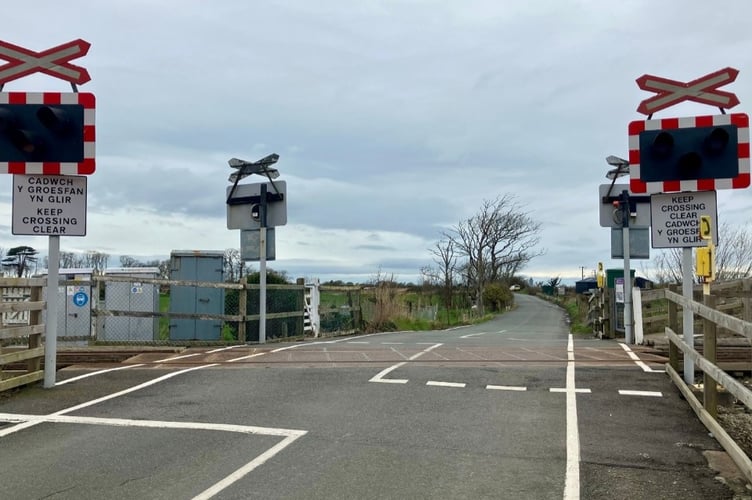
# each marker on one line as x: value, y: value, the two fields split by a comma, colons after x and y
x: 245, y: 200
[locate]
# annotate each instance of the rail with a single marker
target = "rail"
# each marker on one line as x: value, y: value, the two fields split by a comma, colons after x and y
x: 707, y: 411
x: 33, y: 352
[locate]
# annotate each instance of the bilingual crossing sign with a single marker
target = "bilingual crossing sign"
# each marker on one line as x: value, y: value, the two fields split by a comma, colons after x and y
x: 49, y: 205
x: 675, y: 218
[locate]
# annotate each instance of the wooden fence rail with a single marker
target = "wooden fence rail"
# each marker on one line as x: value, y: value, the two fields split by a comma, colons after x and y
x: 707, y: 411
x: 33, y: 354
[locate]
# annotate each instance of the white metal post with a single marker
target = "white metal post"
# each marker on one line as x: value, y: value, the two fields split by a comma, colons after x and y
x: 315, y: 302
x: 50, y: 324
x: 637, y: 313
x: 627, y: 271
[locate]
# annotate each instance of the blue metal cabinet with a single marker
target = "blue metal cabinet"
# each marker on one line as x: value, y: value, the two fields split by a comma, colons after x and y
x: 196, y: 265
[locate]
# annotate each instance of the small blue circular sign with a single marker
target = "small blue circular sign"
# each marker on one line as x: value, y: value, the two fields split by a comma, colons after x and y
x: 80, y: 299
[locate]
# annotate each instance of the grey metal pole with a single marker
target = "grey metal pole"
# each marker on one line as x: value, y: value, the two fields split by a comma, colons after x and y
x: 687, y: 316
x: 50, y: 324
x: 262, y: 267
x: 628, y: 338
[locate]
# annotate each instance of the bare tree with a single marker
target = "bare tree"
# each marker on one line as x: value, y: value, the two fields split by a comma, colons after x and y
x: 68, y: 260
x: 95, y: 260
x: 733, y: 259
x: 233, y: 265
x: 734, y: 253
x: 128, y: 261
x: 515, y: 237
x: 164, y: 268
x: 445, y: 257
x: 497, y: 242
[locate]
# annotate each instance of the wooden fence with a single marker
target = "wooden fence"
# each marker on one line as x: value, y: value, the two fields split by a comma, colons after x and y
x: 13, y: 308
x: 712, y: 319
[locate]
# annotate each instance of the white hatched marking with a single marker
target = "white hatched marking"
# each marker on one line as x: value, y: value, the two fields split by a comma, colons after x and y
x: 638, y: 361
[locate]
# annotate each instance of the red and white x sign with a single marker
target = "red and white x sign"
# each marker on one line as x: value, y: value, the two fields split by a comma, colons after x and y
x: 53, y: 61
x: 703, y: 90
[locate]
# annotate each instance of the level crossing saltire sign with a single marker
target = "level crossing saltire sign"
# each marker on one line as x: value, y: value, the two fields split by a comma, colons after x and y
x: 703, y: 90
x: 54, y: 61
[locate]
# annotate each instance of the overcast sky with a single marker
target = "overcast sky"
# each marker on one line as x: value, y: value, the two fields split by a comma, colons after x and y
x: 393, y: 120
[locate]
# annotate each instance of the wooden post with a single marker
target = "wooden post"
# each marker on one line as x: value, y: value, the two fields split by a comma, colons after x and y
x: 608, y: 319
x: 35, y: 339
x: 353, y: 313
x: 710, y: 388
x: 746, y: 299
x: 747, y: 302
x: 242, y: 309
x: 673, y: 323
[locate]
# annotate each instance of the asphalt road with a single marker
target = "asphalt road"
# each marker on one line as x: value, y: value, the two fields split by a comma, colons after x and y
x: 513, y: 408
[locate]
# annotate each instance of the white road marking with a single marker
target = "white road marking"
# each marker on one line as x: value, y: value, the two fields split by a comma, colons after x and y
x: 354, y: 342
x: 246, y: 357
x: 279, y: 349
x: 240, y: 473
x: 290, y: 435
x: 567, y: 389
x: 379, y: 377
x: 98, y: 372
x: 655, y: 394
x: 421, y: 353
x: 179, y: 357
x: 638, y: 361
x: 27, y: 424
x: 534, y: 340
x: 445, y: 384
x: 473, y: 335
x: 392, y: 343
x: 506, y: 387
x: 471, y: 353
x: 572, y: 477
x: 220, y: 349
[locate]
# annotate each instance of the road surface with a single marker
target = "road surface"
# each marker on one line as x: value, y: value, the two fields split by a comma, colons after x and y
x: 514, y: 408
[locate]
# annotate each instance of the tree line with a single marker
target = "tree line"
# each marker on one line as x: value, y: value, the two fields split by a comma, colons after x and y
x: 24, y: 261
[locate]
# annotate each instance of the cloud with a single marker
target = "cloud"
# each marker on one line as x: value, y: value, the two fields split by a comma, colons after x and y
x: 393, y: 120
